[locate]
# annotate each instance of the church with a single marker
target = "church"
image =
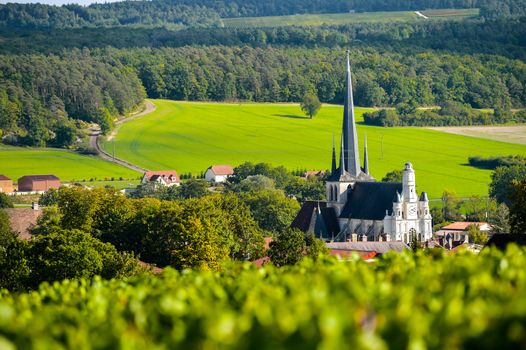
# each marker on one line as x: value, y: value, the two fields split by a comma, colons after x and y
x: 358, y: 207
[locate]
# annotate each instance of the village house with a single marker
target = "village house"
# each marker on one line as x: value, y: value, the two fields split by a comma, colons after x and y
x: 6, y: 184
x: 22, y: 220
x: 38, y: 183
x: 218, y: 173
x: 457, y: 232
x: 166, y: 178
x: 313, y: 173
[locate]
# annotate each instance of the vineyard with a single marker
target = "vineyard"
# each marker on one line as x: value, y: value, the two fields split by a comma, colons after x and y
x: 428, y: 300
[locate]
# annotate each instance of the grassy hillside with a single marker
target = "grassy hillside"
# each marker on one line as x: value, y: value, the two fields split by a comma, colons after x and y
x: 68, y: 166
x: 346, y: 18
x: 191, y: 136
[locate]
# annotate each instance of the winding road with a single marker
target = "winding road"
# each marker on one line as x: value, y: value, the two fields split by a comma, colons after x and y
x: 95, y: 137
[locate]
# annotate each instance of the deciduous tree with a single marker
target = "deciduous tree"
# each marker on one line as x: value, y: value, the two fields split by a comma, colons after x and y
x: 310, y: 104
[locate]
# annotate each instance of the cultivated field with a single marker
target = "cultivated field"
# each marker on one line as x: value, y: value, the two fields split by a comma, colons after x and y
x: 505, y: 133
x: 451, y: 13
x: 346, y: 18
x: 190, y: 136
x: 68, y: 166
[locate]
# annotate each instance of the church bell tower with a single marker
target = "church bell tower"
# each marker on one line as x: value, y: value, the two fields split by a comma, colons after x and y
x: 341, y: 179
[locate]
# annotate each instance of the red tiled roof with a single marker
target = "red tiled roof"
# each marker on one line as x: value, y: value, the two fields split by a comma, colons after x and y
x: 222, y: 169
x: 462, y: 225
x: 347, y: 253
x: 3, y: 178
x: 261, y: 261
x: 23, y: 219
x: 310, y: 173
x: 169, y: 176
x: 151, y: 267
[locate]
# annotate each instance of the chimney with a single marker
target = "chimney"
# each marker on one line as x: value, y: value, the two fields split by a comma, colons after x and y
x: 354, y: 237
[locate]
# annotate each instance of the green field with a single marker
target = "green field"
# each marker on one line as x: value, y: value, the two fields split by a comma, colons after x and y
x: 346, y: 18
x: 190, y: 136
x: 68, y: 166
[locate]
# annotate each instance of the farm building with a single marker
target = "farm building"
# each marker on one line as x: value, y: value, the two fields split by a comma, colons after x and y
x: 166, y: 178
x: 6, y: 184
x: 359, y: 206
x: 458, y: 231
x: 38, y: 183
x: 218, y: 173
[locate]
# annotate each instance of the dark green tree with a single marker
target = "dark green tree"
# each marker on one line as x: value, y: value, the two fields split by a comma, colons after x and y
x: 5, y: 201
x: 310, y: 104
x: 288, y: 248
x: 393, y: 176
x: 501, y: 186
x: 518, y: 208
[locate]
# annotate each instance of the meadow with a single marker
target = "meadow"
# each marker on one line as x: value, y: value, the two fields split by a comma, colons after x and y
x: 346, y: 18
x: 190, y: 136
x: 68, y: 166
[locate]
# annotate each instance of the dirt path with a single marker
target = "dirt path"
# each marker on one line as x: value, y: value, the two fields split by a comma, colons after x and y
x: 506, y: 133
x: 95, y: 138
x: 418, y: 13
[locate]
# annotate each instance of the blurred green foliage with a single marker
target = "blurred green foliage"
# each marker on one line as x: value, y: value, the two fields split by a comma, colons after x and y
x: 427, y: 300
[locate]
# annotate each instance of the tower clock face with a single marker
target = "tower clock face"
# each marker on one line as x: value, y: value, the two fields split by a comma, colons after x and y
x: 412, y: 210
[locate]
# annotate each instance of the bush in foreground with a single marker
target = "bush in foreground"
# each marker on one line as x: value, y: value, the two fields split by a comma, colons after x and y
x: 424, y: 301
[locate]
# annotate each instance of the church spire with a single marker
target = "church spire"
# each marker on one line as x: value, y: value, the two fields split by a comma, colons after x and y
x: 365, y: 157
x: 350, y: 139
x: 342, y: 160
x: 333, y: 165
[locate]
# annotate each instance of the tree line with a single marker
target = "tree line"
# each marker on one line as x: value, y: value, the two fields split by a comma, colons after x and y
x: 380, y: 78
x: 208, y: 13
x: 500, y: 36
x: 450, y: 113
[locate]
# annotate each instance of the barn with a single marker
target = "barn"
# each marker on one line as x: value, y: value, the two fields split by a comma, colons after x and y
x: 6, y: 184
x: 38, y: 183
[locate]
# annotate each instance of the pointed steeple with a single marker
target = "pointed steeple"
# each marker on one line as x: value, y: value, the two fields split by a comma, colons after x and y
x: 350, y: 139
x: 365, y: 156
x: 342, y: 160
x: 333, y: 165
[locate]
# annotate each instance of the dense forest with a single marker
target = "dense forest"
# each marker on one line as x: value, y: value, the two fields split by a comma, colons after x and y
x: 285, y: 74
x: 41, y: 96
x: 506, y: 37
x: 62, y: 65
x: 207, y: 13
